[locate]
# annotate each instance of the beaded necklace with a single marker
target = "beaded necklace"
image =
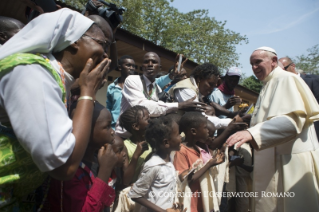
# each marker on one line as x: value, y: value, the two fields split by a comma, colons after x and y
x: 61, y: 74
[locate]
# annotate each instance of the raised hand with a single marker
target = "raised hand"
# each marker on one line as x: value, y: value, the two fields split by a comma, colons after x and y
x: 235, y: 100
x: 107, y: 160
x: 218, y: 159
x: 175, y: 72
x: 140, y: 148
x: 90, y: 80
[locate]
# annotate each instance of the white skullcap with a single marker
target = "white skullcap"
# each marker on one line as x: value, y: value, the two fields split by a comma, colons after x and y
x: 234, y: 71
x: 268, y: 49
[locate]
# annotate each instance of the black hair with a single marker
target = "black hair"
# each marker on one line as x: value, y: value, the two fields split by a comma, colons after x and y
x: 130, y: 116
x: 124, y: 57
x: 205, y: 71
x: 175, y: 116
x: 191, y: 120
x: 158, y: 130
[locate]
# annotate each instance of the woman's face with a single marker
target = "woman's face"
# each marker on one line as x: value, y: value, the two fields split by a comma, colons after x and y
x: 206, y: 86
x: 91, y: 45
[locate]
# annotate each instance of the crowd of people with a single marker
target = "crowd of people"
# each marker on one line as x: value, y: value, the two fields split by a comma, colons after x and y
x: 162, y: 143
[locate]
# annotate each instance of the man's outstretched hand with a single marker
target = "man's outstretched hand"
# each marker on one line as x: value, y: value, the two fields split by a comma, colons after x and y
x: 190, y: 105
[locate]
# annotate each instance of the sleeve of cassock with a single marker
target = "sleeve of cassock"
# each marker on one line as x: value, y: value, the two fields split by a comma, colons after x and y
x: 276, y: 131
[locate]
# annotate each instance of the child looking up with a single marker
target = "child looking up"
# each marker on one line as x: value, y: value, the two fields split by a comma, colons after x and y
x: 135, y: 121
x: 86, y: 191
x: 194, y: 126
x: 156, y: 187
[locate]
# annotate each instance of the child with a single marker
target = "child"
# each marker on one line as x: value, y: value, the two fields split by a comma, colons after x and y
x: 156, y: 188
x: 194, y: 125
x: 85, y: 191
x: 135, y: 120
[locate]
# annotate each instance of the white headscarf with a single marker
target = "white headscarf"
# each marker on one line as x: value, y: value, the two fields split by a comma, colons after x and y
x: 48, y: 33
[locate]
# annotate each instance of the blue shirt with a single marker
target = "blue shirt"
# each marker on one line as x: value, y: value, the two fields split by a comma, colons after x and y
x: 220, y: 98
x: 114, y: 97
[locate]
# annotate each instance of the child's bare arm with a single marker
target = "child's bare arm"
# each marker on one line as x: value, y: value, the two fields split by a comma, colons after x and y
x: 148, y: 204
x: 231, y: 129
x: 129, y: 168
x: 212, y: 162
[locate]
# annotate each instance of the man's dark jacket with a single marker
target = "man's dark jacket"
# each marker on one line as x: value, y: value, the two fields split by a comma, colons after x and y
x: 313, y: 83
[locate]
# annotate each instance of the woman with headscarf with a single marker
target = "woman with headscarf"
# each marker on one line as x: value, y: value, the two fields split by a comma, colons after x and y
x: 37, y: 67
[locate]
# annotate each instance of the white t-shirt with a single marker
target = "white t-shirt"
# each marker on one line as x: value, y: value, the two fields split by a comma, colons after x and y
x: 156, y: 183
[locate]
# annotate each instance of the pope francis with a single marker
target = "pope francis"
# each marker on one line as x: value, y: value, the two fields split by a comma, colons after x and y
x: 286, y: 160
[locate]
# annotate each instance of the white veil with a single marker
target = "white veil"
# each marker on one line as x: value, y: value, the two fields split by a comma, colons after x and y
x: 48, y: 33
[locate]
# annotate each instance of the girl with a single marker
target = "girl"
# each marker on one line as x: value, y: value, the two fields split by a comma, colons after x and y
x: 135, y: 121
x: 156, y: 188
x: 88, y: 190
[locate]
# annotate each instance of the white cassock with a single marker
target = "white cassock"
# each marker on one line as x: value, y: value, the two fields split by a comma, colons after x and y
x: 287, y: 158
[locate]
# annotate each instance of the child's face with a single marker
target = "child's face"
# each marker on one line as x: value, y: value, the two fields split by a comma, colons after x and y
x: 119, y: 150
x: 175, y: 138
x: 144, y: 117
x: 202, y: 133
x: 102, y: 131
x: 211, y: 130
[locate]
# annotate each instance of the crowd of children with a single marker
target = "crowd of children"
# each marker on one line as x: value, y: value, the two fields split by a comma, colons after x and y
x: 168, y: 164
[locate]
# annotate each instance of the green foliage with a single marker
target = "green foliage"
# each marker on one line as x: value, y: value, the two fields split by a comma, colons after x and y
x: 194, y: 34
x: 252, y: 83
x: 78, y: 4
x: 309, y: 63
x: 242, y: 78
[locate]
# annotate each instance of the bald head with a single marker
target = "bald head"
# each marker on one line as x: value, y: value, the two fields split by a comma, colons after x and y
x: 103, y: 24
x: 288, y: 64
x: 281, y: 65
x: 8, y: 28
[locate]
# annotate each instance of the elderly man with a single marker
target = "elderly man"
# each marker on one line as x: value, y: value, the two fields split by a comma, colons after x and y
x: 311, y: 80
x: 286, y: 160
x: 8, y: 28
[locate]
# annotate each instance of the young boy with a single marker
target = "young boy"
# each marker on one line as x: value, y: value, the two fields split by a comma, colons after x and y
x: 194, y: 125
x: 87, y: 191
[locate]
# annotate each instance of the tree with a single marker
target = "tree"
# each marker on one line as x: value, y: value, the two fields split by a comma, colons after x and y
x: 252, y: 83
x: 78, y: 4
x: 194, y: 34
x: 309, y: 63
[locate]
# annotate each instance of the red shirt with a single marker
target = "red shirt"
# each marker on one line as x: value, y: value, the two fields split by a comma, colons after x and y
x: 184, y: 159
x: 83, y: 193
